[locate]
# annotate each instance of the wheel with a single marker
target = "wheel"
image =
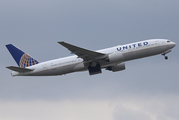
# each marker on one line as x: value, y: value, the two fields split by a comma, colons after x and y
x: 166, y: 57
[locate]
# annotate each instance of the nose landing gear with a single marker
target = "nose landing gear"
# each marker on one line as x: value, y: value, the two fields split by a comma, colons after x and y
x: 166, y: 57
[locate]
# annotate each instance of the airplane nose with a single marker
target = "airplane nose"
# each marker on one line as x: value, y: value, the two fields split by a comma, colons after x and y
x: 174, y: 44
x: 171, y: 44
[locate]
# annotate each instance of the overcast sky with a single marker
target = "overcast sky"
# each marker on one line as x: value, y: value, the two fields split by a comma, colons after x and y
x: 146, y: 90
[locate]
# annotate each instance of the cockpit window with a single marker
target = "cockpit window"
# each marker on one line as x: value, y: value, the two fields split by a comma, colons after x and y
x: 168, y: 41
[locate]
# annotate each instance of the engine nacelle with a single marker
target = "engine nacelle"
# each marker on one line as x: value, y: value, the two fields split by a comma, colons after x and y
x: 116, y: 57
x: 117, y: 67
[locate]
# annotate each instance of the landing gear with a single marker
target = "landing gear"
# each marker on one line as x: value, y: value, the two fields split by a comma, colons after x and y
x: 166, y: 57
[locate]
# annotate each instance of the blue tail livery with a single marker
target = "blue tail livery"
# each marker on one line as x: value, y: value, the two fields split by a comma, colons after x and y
x: 22, y: 59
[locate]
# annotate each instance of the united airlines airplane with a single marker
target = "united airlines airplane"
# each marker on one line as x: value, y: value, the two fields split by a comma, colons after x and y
x: 112, y: 59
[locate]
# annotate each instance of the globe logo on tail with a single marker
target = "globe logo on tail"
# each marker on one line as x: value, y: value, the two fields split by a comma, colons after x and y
x: 27, y: 61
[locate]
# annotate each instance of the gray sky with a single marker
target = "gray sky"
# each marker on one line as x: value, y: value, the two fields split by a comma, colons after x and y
x: 147, y: 89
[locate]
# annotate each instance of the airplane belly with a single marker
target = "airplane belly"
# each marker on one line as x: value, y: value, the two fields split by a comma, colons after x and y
x: 54, y: 71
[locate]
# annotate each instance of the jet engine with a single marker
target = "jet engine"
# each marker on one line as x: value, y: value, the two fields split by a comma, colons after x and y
x: 117, y: 67
x: 116, y: 57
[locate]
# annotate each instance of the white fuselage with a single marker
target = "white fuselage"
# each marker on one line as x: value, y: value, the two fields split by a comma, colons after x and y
x: 73, y: 63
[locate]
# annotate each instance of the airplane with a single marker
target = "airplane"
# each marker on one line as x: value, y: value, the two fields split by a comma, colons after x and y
x: 112, y: 59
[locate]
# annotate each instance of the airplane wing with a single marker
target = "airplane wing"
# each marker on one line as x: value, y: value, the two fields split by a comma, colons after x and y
x: 85, y: 54
x: 19, y: 69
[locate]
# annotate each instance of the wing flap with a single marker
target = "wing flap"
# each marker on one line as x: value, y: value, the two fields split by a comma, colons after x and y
x: 19, y: 69
x: 83, y: 53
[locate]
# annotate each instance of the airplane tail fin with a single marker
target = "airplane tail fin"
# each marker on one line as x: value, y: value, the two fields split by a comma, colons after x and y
x: 22, y: 59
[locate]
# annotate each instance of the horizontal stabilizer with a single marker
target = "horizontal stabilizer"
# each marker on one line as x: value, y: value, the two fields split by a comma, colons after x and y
x: 19, y: 69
